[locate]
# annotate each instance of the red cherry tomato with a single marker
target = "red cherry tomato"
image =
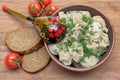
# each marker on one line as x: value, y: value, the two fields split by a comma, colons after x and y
x: 50, y: 9
x: 13, y: 60
x: 34, y: 8
x: 46, y: 2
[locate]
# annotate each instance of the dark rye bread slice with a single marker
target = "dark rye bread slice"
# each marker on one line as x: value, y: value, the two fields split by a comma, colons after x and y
x: 23, y: 40
x: 35, y: 61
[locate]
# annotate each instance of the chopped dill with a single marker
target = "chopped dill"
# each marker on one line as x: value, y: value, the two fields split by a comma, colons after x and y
x: 87, y: 19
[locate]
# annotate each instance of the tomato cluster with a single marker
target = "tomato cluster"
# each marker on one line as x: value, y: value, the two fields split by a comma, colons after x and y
x: 35, y: 7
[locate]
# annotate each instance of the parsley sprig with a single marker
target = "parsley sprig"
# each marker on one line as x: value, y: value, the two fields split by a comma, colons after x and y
x: 87, y: 19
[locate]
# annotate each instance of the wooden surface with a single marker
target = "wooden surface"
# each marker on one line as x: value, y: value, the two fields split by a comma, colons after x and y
x: 110, y: 70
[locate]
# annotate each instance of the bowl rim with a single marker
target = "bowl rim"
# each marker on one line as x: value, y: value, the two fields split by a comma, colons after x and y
x: 100, y: 62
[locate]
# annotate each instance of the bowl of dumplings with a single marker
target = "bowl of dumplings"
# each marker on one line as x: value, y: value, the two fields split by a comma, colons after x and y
x: 88, y: 42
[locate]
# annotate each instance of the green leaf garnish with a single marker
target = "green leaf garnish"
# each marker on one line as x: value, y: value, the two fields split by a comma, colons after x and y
x: 87, y: 19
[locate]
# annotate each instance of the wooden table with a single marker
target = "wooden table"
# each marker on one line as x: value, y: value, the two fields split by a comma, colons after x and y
x: 110, y: 70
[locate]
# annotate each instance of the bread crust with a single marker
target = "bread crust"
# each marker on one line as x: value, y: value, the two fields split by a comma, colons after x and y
x: 36, y: 47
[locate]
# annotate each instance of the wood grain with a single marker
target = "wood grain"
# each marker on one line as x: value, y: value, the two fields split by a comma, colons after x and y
x: 110, y: 70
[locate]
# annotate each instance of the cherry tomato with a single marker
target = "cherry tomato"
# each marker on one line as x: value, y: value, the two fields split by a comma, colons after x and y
x: 46, y: 2
x: 34, y: 8
x: 50, y: 9
x: 13, y: 60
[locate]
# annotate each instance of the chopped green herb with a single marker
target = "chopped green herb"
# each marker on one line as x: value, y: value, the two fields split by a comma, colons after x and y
x: 87, y: 19
x: 68, y: 43
x: 91, y: 33
x: 68, y: 24
x: 100, y: 27
x: 76, y: 50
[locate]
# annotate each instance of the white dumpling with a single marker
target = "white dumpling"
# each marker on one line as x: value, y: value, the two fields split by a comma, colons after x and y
x: 73, y: 14
x: 89, y: 61
x: 76, y: 57
x: 62, y: 15
x: 76, y: 48
x: 93, y: 46
x: 76, y: 51
x: 86, y: 13
x: 65, y: 58
x: 101, y: 21
x: 96, y: 29
x: 76, y: 28
x: 104, y: 40
x: 77, y: 18
x: 54, y: 49
x: 74, y: 36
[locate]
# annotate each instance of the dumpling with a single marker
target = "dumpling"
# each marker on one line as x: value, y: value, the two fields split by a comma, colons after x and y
x: 102, y: 22
x: 65, y: 58
x: 54, y: 49
x: 104, y: 40
x: 95, y: 27
x: 76, y: 57
x: 93, y: 46
x: 72, y: 14
x: 76, y: 51
x: 76, y: 48
x: 77, y: 18
x: 62, y: 15
x: 76, y: 28
x: 89, y: 61
x: 86, y: 13
x: 74, y: 36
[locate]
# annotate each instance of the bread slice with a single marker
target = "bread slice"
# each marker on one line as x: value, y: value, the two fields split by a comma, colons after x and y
x: 23, y: 40
x: 35, y: 61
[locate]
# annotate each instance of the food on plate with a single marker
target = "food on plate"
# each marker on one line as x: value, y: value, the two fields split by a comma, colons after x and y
x: 86, y: 39
x: 13, y: 60
x: 34, y: 8
x: 23, y: 40
x: 35, y: 61
x: 50, y: 9
x: 46, y: 2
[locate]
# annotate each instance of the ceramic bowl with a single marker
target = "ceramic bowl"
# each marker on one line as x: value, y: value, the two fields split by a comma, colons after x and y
x: 111, y: 34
